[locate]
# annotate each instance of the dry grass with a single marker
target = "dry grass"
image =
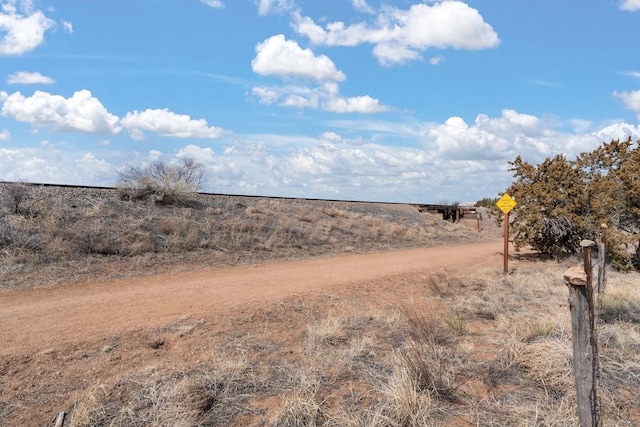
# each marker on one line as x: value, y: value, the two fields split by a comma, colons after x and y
x: 476, y: 349
x: 53, y: 235
x: 345, y: 361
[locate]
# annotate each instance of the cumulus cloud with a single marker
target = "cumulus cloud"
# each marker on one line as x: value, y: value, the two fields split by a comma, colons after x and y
x: 501, y: 139
x: 400, y: 35
x: 80, y: 113
x: 325, y: 97
x: 5, y: 135
x: 356, y: 104
x: 22, y: 27
x: 203, y: 155
x: 620, y: 131
x: 90, y: 166
x: 167, y: 123
x: 631, y: 100
x: 496, y: 139
x: 216, y: 4
x: 426, y: 162
x: 267, y: 7
x: 331, y: 136
x: 284, y: 58
x: 296, y: 96
x: 629, y: 5
x: 28, y: 78
x: 49, y: 164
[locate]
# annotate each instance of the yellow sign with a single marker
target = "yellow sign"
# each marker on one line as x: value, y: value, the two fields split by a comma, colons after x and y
x: 506, y: 203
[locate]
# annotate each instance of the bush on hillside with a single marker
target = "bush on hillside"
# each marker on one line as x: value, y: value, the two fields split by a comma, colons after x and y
x: 18, y: 197
x: 165, y: 183
x: 561, y: 202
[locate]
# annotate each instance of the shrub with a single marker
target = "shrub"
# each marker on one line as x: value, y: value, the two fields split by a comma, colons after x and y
x: 19, y: 198
x: 487, y: 202
x: 166, y: 183
x: 562, y: 201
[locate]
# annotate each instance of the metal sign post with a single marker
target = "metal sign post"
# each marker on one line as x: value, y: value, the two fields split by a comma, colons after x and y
x: 505, y: 204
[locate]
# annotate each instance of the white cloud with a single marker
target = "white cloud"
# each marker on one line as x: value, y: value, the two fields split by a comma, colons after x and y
x: 216, y: 4
x: 401, y: 35
x: 331, y: 137
x: 91, y: 167
x: 362, y: 6
x: 266, y: 95
x: 284, y: 58
x: 326, y: 97
x: 5, y: 135
x: 167, y: 123
x: 631, y: 100
x: 68, y: 27
x: 630, y: 5
x: 28, y: 78
x: 620, y: 131
x: 22, y: 31
x: 80, y: 113
x: 266, y: 7
x: 202, y: 155
x: 300, y: 102
x: 453, y: 160
x: 356, y: 104
x: 49, y: 164
x: 435, y: 60
x: 581, y: 125
x: 499, y: 140
x: 488, y: 138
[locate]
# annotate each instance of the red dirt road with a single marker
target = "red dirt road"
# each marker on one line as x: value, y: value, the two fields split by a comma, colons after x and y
x: 41, y: 318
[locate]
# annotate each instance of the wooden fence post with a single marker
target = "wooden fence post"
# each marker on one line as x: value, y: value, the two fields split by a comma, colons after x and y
x: 585, y: 351
x: 505, y: 261
x: 602, y: 249
x: 59, y: 421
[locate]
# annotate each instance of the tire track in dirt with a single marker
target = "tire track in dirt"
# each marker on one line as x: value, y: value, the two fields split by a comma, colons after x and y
x: 40, y: 318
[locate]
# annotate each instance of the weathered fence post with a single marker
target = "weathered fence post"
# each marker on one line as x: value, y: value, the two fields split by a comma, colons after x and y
x: 602, y: 249
x: 59, y: 420
x: 585, y: 350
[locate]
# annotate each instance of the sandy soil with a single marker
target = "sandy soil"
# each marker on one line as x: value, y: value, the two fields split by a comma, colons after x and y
x: 60, y: 341
x: 41, y: 319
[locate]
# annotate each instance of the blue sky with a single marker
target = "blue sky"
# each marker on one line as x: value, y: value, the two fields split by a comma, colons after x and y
x: 402, y: 101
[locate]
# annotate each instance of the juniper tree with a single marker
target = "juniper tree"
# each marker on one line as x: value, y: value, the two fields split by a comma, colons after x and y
x: 561, y: 202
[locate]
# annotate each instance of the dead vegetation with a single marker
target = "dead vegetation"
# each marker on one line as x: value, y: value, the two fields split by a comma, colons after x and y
x: 432, y: 348
x: 74, y: 233
x: 358, y: 360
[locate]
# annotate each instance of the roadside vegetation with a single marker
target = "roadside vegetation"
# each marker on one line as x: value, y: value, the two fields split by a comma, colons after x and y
x: 55, y: 234
x: 164, y: 183
x: 430, y: 348
x: 563, y: 201
x: 425, y: 349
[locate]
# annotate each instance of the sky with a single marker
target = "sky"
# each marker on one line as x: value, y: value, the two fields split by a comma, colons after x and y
x: 391, y: 101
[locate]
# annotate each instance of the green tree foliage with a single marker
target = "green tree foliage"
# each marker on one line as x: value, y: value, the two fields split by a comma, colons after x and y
x: 487, y: 202
x: 561, y: 202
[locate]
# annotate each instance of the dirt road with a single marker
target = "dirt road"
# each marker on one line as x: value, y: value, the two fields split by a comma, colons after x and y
x: 41, y: 318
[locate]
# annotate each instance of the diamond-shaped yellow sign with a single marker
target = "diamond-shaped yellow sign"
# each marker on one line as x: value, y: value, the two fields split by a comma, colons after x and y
x: 506, y: 203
